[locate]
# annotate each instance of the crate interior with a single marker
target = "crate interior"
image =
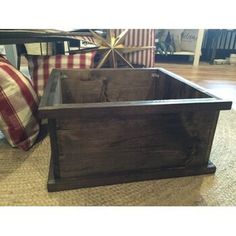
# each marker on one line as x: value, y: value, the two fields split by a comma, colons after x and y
x: 112, y: 86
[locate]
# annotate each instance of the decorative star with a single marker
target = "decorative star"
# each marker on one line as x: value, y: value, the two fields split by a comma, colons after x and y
x: 112, y: 48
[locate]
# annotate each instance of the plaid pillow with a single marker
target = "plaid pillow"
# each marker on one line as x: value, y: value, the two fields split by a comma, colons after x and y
x: 18, y: 107
x: 40, y: 67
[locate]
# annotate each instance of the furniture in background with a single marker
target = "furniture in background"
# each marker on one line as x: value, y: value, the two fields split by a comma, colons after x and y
x: 144, y: 41
x: 218, y: 44
x: 122, y: 47
x: 20, y: 37
x: 193, y: 51
x: 136, y: 38
x: 18, y: 100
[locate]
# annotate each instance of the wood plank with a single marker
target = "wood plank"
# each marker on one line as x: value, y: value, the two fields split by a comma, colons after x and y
x: 129, y: 140
x: 82, y: 91
x: 54, y: 147
x: 201, y: 91
x: 89, y: 110
x: 131, y: 88
x: 173, y: 87
x: 133, y: 142
x: 211, y: 134
x: 109, y: 73
x: 55, y: 184
x: 218, y: 79
x: 124, y: 85
x: 57, y: 99
x: 52, y: 93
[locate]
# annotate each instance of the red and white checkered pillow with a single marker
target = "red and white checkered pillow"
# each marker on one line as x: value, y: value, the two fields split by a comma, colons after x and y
x: 18, y: 107
x: 40, y: 67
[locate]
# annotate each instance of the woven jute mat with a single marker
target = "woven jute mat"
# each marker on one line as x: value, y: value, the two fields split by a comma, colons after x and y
x: 23, y: 178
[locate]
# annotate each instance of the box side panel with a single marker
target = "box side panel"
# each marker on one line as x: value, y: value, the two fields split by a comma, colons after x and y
x: 200, y: 128
x: 108, y: 87
x: 107, y: 73
x: 170, y: 87
x: 127, y: 143
x: 82, y: 91
x: 52, y: 129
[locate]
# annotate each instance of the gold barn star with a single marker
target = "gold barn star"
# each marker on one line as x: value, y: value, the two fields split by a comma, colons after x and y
x: 112, y: 48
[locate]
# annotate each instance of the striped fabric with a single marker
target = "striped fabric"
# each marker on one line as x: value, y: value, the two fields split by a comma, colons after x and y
x: 40, y: 67
x: 134, y: 38
x: 18, y: 107
x: 139, y: 37
x: 89, y: 39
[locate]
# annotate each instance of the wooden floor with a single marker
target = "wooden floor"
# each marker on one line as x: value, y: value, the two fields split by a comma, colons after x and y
x: 217, y: 79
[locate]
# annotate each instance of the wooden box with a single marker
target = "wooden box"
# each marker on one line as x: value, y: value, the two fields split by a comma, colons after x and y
x: 112, y: 126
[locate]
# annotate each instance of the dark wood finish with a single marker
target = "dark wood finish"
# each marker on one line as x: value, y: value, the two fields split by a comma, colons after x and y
x: 132, y: 108
x: 110, y: 126
x: 21, y: 36
x: 52, y: 94
x: 54, y: 147
x: 218, y: 79
x: 130, y: 142
x: 82, y: 91
x: 170, y: 87
x: 55, y: 184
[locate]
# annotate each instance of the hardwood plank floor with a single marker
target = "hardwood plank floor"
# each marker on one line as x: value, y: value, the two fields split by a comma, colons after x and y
x: 217, y: 79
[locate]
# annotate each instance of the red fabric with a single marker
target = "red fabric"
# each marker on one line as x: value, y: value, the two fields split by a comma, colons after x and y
x: 18, y: 107
x: 139, y: 38
x: 35, y: 74
x: 22, y: 86
x: 15, y: 128
x: 40, y: 67
x: 46, y: 71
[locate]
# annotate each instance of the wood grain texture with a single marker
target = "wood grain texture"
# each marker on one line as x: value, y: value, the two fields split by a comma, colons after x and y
x: 127, y: 125
x: 113, y: 109
x: 218, y: 79
x: 111, y: 91
x: 61, y: 184
x: 82, y: 91
x: 129, y: 143
x: 54, y: 147
x: 53, y: 92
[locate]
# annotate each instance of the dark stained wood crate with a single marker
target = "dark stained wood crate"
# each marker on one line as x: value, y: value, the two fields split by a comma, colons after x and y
x: 112, y: 126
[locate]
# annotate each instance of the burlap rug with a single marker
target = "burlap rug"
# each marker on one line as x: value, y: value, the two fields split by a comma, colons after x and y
x: 23, y: 177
